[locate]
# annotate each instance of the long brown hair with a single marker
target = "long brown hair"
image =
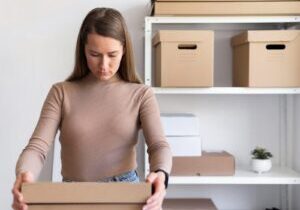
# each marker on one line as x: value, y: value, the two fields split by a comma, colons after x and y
x: 110, y: 23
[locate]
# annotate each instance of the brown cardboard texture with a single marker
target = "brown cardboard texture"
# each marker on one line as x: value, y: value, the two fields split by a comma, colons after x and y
x: 209, y: 164
x: 189, y: 204
x: 184, y: 58
x: 210, y: 0
x: 227, y: 8
x: 86, y: 195
x: 266, y: 58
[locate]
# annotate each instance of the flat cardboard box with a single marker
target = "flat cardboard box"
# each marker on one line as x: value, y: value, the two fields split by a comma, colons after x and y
x: 180, y: 124
x: 185, y: 145
x: 189, y: 204
x: 226, y: 8
x: 184, y: 58
x: 212, y: 0
x: 266, y: 58
x: 209, y: 164
x: 86, y: 195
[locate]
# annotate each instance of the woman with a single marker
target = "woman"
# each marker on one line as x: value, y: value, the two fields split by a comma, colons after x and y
x: 99, y: 110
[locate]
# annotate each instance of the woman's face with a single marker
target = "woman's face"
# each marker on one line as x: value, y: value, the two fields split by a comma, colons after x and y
x: 103, y: 55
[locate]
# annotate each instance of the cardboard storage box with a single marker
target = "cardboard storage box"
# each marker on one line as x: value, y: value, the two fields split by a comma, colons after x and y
x: 266, y: 58
x: 209, y: 164
x: 185, y: 145
x: 227, y: 8
x: 85, y: 195
x: 180, y: 124
x: 189, y: 204
x: 184, y: 58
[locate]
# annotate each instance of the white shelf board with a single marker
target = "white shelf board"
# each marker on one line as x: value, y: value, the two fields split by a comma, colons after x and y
x: 221, y: 19
x: 277, y: 175
x: 226, y: 90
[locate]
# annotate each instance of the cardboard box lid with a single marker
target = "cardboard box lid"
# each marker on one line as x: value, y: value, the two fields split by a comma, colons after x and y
x: 86, y: 192
x: 189, y: 204
x: 220, y: 153
x: 265, y: 36
x: 182, y: 36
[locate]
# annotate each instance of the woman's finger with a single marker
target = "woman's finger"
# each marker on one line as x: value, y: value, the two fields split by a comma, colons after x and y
x: 18, y: 183
x: 152, y: 206
x: 18, y: 196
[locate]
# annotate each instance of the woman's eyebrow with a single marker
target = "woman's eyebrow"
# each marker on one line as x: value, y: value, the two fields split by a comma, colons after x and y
x: 111, y: 52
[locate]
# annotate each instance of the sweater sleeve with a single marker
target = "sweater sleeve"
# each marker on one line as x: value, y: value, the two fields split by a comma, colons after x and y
x: 34, y: 154
x: 159, y: 151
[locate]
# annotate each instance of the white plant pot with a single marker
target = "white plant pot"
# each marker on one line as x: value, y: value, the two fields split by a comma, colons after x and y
x: 261, y: 166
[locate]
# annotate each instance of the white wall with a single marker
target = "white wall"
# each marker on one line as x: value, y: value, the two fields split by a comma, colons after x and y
x: 37, y: 42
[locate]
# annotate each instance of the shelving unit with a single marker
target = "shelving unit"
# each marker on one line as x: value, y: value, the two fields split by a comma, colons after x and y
x: 226, y: 90
x: 282, y: 174
x: 278, y: 175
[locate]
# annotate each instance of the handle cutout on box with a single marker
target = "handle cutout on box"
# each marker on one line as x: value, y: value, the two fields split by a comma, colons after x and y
x: 187, y: 46
x: 275, y: 46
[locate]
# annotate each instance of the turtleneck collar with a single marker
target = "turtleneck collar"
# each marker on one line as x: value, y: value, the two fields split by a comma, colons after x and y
x: 90, y: 78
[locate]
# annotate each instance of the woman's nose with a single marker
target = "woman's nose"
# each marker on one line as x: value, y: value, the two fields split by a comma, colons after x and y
x: 104, y: 62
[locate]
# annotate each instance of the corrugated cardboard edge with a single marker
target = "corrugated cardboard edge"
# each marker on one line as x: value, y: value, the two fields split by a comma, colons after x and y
x: 86, y: 192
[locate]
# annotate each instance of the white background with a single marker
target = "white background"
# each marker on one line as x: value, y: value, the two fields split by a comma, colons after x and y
x: 37, y: 44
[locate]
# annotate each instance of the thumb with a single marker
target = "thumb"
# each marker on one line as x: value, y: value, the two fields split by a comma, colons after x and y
x: 27, y: 177
x: 151, y: 177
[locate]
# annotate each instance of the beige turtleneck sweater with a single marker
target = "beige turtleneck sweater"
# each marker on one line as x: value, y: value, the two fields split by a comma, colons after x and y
x: 99, y: 123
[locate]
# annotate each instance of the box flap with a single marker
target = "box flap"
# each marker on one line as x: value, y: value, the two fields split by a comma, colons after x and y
x: 265, y: 36
x: 86, y: 192
x: 182, y: 36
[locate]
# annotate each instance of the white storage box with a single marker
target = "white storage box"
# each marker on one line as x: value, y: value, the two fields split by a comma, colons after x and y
x: 180, y: 124
x: 185, y: 145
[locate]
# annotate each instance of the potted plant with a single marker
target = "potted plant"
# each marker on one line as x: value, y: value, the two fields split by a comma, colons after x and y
x: 261, y: 160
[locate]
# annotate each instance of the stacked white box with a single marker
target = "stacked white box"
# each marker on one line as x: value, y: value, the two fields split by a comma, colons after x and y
x: 182, y: 133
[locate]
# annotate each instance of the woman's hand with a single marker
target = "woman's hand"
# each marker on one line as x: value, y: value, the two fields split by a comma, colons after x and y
x: 18, y: 200
x: 158, y: 181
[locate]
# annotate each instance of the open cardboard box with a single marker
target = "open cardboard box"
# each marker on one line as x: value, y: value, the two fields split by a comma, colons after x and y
x: 86, y: 196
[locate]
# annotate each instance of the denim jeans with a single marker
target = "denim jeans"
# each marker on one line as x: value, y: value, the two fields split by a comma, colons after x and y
x: 130, y: 176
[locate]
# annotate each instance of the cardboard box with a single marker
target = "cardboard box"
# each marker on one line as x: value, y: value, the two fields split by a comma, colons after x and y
x: 185, y: 145
x: 189, y: 204
x: 227, y: 8
x: 85, y: 195
x: 180, y: 124
x: 209, y: 164
x: 184, y: 58
x: 266, y: 58
x: 210, y: 0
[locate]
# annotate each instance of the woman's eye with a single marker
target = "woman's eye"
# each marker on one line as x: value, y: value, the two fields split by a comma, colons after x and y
x: 112, y: 56
x: 94, y: 55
